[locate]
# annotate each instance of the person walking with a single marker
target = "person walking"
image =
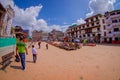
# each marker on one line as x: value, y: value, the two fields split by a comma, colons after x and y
x: 84, y: 42
x: 39, y: 44
x: 46, y: 46
x: 34, y: 52
x: 21, y: 50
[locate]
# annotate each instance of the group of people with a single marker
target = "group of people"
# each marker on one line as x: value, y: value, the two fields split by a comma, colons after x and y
x: 39, y: 44
x: 21, y: 50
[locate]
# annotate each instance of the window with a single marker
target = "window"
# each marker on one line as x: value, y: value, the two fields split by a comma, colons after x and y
x: 96, y: 18
x: 108, y: 25
x: 86, y: 21
x: 114, y: 21
x: 88, y: 30
x: 75, y: 28
x: 98, y: 29
x: 104, y: 33
x: 87, y: 25
x: 92, y: 24
x: 112, y: 14
x: 104, y: 27
x: 118, y: 12
x: 83, y: 26
x: 109, y: 32
x: 97, y: 22
x: 91, y: 20
x: 116, y: 38
x: 83, y: 35
x: 103, y: 21
x: 79, y: 27
x: 106, y: 17
x: 88, y: 35
x: 116, y: 29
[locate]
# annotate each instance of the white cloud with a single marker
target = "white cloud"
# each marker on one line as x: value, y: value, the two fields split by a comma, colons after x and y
x: 100, y: 6
x: 65, y: 23
x: 41, y: 25
x: 27, y: 18
x: 58, y: 27
x: 64, y: 28
x: 7, y: 2
x: 80, y: 21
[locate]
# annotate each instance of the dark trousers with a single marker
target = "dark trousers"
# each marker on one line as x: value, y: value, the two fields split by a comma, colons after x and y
x: 34, y: 58
x: 39, y: 46
x: 46, y: 47
x: 22, y: 57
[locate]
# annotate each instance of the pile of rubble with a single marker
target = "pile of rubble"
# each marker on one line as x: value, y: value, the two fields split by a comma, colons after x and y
x: 66, y: 45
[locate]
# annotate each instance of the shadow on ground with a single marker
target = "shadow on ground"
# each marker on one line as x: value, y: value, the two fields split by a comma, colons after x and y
x: 16, y: 67
x: 29, y: 61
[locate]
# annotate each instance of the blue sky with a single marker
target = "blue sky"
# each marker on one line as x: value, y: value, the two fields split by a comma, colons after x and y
x: 56, y: 14
x: 117, y: 5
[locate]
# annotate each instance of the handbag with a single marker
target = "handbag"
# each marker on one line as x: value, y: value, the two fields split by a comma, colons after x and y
x: 17, y: 59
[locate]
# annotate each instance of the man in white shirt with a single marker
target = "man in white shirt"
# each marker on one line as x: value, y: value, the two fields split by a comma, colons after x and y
x: 34, y: 52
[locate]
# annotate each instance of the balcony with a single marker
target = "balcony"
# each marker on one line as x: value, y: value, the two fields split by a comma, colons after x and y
x: 113, y: 25
x: 113, y: 16
x: 110, y: 35
x: 116, y: 33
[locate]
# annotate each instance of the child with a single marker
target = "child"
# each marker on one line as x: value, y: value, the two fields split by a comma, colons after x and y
x: 46, y: 46
x: 34, y: 52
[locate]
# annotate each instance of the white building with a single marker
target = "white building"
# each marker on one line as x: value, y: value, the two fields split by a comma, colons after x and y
x: 113, y: 26
x: 93, y: 30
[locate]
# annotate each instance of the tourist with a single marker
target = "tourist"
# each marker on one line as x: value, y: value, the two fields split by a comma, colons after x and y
x: 46, y: 46
x: 39, y: 44
x: 21, y: 50
x: 34, y: 52
x: 84, y: 42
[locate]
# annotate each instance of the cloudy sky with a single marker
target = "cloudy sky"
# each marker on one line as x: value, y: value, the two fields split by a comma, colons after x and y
x: 56, y: 14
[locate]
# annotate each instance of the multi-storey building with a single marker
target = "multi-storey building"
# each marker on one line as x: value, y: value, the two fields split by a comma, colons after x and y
x: 6, y: 15
x: 9, y: 18
x: 45, y: 36
x: 36, y: 35
x: 113, y: 26
x: 39, y: 35
x: 2, y: 15
x: 93, y: 30
x: 56, y: 35
x: 73, y: 30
